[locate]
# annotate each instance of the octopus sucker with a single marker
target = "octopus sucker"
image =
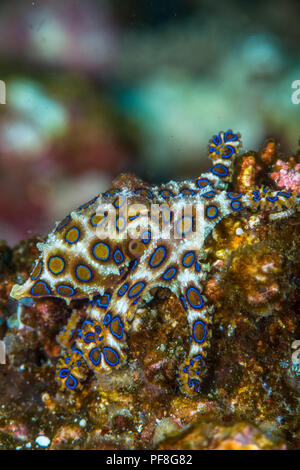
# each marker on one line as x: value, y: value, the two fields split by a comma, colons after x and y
x: 119, y: 247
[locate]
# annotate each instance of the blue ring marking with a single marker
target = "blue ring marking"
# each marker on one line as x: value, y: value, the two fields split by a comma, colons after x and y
x: 97, y: 330
x: 69, y: 287
x: 194, y: 383
x: 231, y: 196
x: 205, y: 331
x: 169, y: 274
x: 44, y: 284
x: 106, y: 359
x: 187, y: 192
x: 122, y: 290
x: 96, y: 361
x: 186, y: 265
x: 162, y: 259
x: 140, y: 283
x: 122, y: 202
x: 170, y: 194
x: 64, y: 264
x: 215, y: 170
x: 111, y: 192
x: 183, y: 302
x: 232, y: 151
x: 79, y: 278
x: 213, y: 149
x: 67, y: 219
x: 117, y: 319
x: 197, y: 266
x: 236, y: 205
x: 78, y: 235
x: 84, y: 206
x: 180, y: 220
x: 285, y: 194
x: 63, y: 373
x: 99, y: 302
x: 150, y: 194
x: 203, y: 180
x: 107, y: 319
x: 144, y: 239
x: 209, y: 194
x: 214, y: 215
x: 230, y: 139
x: 272, y: 199
x: 117, y: 251
x: 217, y: 139
x: 38, y: 275
x: 106, y: 245
x: 75, y: 382
x: 99, y: 223
x: 117, y: 227
x: 256, y: 195
x: 136, y: 300
x: 87, y: 340
x: 198, y: 293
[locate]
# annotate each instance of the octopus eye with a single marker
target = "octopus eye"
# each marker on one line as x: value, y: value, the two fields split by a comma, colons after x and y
x: 136, y: 248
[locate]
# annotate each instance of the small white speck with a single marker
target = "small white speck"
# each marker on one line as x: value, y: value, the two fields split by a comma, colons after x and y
x: 82, y: 423
x: 28, y: 445
x: 42, y: 441
x: 239, y: 231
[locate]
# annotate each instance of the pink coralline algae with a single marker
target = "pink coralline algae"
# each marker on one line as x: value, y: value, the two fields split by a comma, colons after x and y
x: 287, y: 175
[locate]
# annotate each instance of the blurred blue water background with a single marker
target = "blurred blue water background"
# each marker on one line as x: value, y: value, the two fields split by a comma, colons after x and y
x: 99, y: 87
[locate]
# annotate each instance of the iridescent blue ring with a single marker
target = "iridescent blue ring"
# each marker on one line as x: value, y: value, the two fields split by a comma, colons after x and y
x: 96, y: 361
x: 45, y: 286
x: 150, y: 194
x: 61, y: 259
x: 69, y: 287
x: 123, y: 290
x: 204, y: 334
x: 140, y: 283
x: 198, y: 293
x: 117, y: 251
x: 236, y: 205
x: 107, y: 360
x: 169, y: 274
x: 220, y: 170
x: 187, y: 265
x: 162, y: 259
x: 117, y: 319
x: 77, y: 275
x: 215, y: 213
x: 78, y: 235
x: 84, y: 206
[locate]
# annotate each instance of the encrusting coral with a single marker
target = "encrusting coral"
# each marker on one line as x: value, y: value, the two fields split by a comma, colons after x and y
x: 231, y: 294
